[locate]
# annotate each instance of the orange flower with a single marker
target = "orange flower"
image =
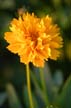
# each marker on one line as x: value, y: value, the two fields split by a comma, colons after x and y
x: 34, y: 39
x: 56, y: 41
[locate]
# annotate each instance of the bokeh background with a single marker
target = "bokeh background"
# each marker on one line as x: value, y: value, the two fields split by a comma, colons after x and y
x: 12, y: 72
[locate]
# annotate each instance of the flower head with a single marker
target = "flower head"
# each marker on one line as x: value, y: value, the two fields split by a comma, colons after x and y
x: 34, y: 39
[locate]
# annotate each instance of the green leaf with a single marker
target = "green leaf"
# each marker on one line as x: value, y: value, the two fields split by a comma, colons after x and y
x: 64, y: 100
x: 26, y: 98
x: 12, y: 97
x: 3, y: 97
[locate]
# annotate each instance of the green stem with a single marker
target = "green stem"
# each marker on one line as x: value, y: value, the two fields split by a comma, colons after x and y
x: 38, y: 88
x: 44, y: 86
x: 29, y: 86
x: 42, y: 80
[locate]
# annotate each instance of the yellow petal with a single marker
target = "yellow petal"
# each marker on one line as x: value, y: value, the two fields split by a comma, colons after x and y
x: 38, y: 62
x: 54, y: 54
x: 24, y: 59
x: 57, y: 39
x: 9, y: 37
x: 54, y: 44
x: 14, y: 47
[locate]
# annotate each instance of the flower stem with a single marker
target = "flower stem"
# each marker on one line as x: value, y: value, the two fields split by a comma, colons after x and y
x: 38, y: 88
x: 44, y: 86
x: 40, y: 91
x: 42, y: 80
x: 29, y: 86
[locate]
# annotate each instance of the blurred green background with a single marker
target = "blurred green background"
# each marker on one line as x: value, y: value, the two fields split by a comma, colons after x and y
x: 12, y: 72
